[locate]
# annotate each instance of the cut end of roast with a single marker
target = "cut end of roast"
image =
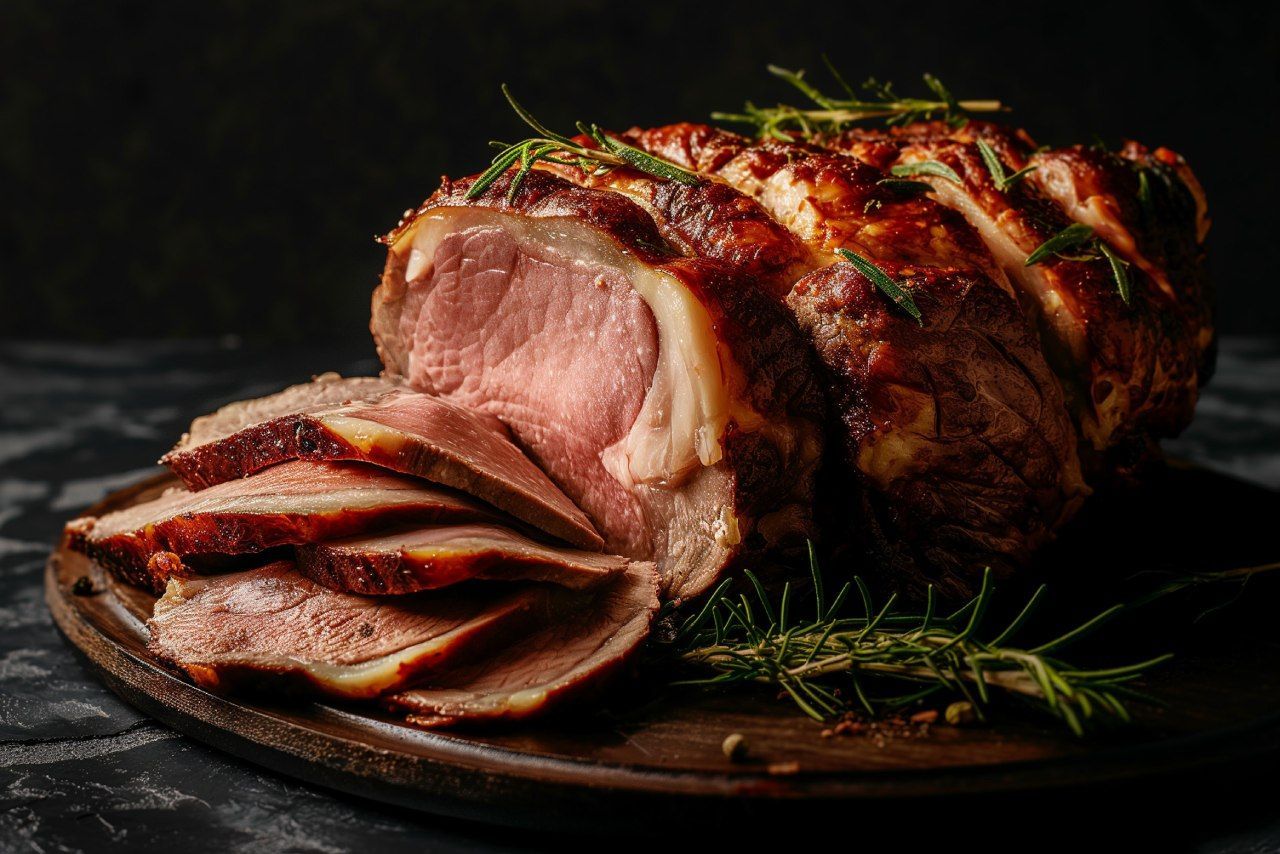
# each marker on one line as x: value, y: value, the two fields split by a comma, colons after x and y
x: 623, y: 372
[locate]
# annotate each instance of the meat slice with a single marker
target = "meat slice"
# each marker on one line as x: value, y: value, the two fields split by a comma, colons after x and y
x: 273, y: 629
x: 326, y: 389
x: 426, y: 558
x: 668, y: 398
x: 955, y: 428
x: 561, y: 662
x: 1127, y: 370
x: 400, y: 430
x: 298, y: 502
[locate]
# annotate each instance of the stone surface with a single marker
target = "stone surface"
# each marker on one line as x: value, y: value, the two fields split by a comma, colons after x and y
x: 82, y: 771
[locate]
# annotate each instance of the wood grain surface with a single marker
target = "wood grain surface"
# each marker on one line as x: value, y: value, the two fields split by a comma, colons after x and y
x: 658, y: 748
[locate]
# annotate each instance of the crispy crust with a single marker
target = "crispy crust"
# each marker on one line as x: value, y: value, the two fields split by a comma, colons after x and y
x: 1011, y: 444
x: 1129, y: 372
x: 956, y: 429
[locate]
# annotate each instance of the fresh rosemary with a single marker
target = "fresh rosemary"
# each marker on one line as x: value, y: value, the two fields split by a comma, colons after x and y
x: 882, y: 280
x: 1072, y: 237
x: 1002, y: 180
x: 925, y: 167
x: 552, y: 147
x: 878, y: 660
x: 904, y: 187
x: 834, y: 114
x: 1077, y: 242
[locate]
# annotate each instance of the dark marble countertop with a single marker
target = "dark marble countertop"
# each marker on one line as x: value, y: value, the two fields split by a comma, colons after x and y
x: 83, y: 771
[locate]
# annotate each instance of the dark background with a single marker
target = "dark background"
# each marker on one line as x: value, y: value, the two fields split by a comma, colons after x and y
x: 176, y: 169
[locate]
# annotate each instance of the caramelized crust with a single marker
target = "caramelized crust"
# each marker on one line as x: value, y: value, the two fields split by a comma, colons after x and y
x: 956, y: 432
x: 956, y: 426
x: 1128, y: 371
x: 1148, y: 213
x: 828, y: 200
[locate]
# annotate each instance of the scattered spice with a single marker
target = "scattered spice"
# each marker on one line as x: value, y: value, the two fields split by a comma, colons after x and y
x: 961, y: 713
x: 734, y: 747
x: 878, y: 730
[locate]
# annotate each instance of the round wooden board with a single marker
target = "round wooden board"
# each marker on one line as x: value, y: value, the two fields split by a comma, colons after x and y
x: 661, y: 755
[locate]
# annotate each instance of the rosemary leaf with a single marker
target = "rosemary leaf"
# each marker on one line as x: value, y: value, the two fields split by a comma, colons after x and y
x: 834, y: 114
x: 954, y: 113
x: 881, y: 280
x: 1070, y: 237
x: 556, y: 148
x: 925, y: 167
x: 644, y: 161
x: 1002, y: 180
x: 912, y: 657
x: 1144, y: 195
x: 904, y: 186
x: 1119, y: 271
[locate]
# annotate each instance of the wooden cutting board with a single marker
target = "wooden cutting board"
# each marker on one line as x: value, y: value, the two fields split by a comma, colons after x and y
x: 658, y: 751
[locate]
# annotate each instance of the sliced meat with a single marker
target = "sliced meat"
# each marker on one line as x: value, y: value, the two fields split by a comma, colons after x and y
x: 1127, y: 370
x: 668, y: 398
x: 298, y: 502
x: 956, y: 428
x: 560, y: 662
x: 273, y: 629
x: 425, y: 558
x: 326, y: 389
x: 403, y: 431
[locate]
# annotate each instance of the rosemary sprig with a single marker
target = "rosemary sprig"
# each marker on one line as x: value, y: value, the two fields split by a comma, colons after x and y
x: 925, y: 167
x: 878, y: 100
x: 1075, y: 235
x: 904, y: 187
x: 881, y: 280
x: 1077, y: 242
x: 1177, y: 583
x: 878, y: 660
x: 552, y: 147
x: 1119, y: 271
x: 996, y: 168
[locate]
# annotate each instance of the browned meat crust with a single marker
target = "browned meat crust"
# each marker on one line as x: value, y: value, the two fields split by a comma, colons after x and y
x: 830, y: 201
x: 956, y: 428
x: 938, y: 422
x: 1128, y: 371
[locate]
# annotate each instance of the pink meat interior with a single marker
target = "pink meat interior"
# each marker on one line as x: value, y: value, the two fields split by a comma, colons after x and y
x: 563, y: 351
